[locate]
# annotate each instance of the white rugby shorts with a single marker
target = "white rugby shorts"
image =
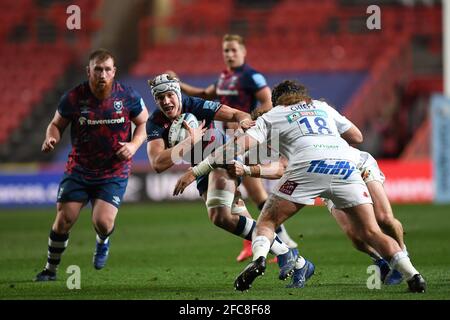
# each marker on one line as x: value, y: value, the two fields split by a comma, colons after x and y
x: 338, y: 180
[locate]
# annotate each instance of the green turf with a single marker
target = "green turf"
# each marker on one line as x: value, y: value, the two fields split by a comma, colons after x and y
x: 172, y: 251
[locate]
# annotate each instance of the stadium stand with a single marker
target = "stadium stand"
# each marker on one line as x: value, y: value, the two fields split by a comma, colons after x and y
x: 289, y: 38
x: 36, y: 53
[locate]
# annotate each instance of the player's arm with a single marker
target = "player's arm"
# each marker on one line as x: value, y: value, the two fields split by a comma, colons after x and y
x: 208, y: 93
x: 162, y: 159
x: 236, y: 146
x: 128, y: 149
x: 265, y: 104
x: 54, y: 132
x: 271, y: 171
x: 353, y: 135
x: 228, y: 114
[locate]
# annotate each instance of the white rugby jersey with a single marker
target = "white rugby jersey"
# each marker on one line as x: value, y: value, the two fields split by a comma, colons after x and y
x: 304, y: 132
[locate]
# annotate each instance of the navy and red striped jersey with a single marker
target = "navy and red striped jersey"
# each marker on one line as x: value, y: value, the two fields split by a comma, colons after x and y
x: 158, y: 124
x: 237, y: 88
x: 97, y: 127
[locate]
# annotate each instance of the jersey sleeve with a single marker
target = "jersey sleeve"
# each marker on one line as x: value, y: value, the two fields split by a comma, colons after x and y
x: 202, y: 109
x: 154, y: 131
x: 65, y: 108
x: 137, y: 104
x: 255, y: 81
x: 260, y: 131
x: 342, y: 123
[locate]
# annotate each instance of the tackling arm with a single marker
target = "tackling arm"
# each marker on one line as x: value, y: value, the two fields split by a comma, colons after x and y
x: 228, y: 114
x: 264, y: 98
x: 353, y: 135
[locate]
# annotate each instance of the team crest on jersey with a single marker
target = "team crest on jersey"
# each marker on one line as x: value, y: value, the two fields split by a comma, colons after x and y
x: 118, y: 106
x: 84, y: 106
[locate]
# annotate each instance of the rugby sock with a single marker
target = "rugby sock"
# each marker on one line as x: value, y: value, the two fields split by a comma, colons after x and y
x: 260, y: 247
x: 245, y: 227
x: 282, y: 233
x: 300, y: 263
x: 375, y: 256
x: 405, y: 250
x: 103, y: 238
x: 400, y: 261
x: 57, y: 243
x: 278, y: 247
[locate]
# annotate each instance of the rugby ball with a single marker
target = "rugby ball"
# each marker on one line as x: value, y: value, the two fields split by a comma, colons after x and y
x: 177, y: 132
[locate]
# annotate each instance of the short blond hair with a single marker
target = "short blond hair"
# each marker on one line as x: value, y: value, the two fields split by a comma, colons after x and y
x: 234, y: 37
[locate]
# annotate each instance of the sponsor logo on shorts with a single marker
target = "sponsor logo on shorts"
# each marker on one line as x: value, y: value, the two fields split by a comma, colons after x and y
x: 288, y: 187
x: 342, y: 168
x: 116, y: 200
x: 61, y: 190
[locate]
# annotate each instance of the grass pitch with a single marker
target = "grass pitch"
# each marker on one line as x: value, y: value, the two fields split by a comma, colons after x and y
x: 171, y: 251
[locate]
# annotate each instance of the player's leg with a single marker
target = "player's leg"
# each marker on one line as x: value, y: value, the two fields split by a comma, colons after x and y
x: 107, y: 197
x: 219, y: 201
x: 258, y: 195
x: 388, y: 223
x: 362, y: 220
x: 103, y: 217
x: 66, y: 215
x: 240, y: 208
x: 383, y: 212
x: 344, y: 223
x: 275, y: 212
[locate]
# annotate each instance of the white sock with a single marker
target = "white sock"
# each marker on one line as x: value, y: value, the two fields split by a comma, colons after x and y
x: 284, y: 236
x: 300, y: 263
x: 260, y: 247
x: 278, y: 247
x: 405, y: 250
x: 400, y: 261
x: 102, y: 241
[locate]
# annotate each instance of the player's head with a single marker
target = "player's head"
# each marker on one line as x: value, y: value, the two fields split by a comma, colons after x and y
x: 233, y: 49
x: 289, y: 92
x: 101, y: 70
x: 167, y: 94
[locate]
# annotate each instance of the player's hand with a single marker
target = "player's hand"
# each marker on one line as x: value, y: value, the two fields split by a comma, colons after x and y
x: 48, y: 145
x: 247, y: 124
x: 196, y: 134
x: 172, y: 74
x: 182, y: 183
x: 236, y: 169
x: 127, y: 151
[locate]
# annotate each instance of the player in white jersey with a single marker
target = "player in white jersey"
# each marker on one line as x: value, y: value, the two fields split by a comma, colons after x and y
x: 374, y: 178
x: 320, y: 164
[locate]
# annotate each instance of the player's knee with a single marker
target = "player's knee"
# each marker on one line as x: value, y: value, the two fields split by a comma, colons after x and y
x: 217, y: 218
x: 385, y: 220
x: 220, y: 183
x: 63, y: 224
x: 368, y: 234
x: 104, y: 226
